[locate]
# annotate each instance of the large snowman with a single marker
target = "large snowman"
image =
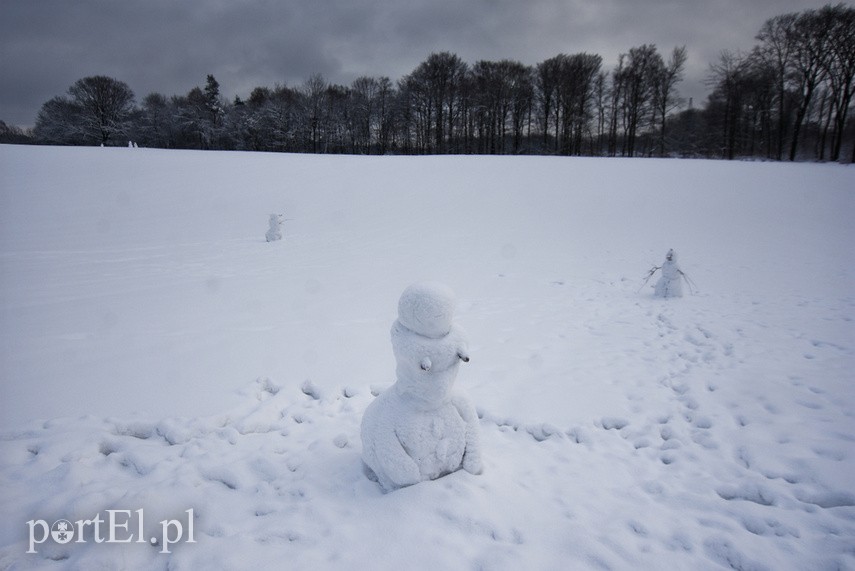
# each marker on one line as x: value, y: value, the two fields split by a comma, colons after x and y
x: 421, y: 428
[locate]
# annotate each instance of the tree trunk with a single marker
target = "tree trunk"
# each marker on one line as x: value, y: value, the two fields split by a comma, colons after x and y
x: 797, y: 127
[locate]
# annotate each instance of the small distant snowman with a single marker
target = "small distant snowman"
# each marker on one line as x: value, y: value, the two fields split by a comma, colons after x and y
x: 274, y: 233
x: 670, y: 282
x: 421, y: 428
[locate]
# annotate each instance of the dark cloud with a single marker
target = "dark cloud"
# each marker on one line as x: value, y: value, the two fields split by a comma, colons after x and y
x: 170, y: 47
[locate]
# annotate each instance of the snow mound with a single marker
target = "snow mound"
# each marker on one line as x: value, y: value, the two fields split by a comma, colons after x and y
x: 279, y: 478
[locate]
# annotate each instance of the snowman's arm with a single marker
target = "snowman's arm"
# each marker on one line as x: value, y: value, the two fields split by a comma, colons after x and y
x: 692, y: 286
x: 472, y: 452
x: 649, y: 275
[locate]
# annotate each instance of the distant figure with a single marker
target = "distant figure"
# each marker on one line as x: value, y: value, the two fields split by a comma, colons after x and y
x: 670, y: 282
x: 275, y: 231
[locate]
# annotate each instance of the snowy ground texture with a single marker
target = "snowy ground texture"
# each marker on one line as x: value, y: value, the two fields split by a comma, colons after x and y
x: 159, y: 354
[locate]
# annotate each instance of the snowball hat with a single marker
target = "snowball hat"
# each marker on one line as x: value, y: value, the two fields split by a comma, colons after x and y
x: 427, y: 308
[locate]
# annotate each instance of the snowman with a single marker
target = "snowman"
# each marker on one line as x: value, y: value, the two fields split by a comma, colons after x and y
x: 670, y: 282
x: 275, y: 231
x: 421, y: 428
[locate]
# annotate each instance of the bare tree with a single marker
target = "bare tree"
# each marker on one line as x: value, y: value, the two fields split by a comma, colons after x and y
x: 498, y: 86
x: 578, y: 80
x: 777, y: 46
x: 155, y: 121
x: 58, y: 122
x: 385, y: 102
x: 192, y: 119
x: 314, y: 92
x: 665, y: 95
x: 616, y: 96
x: 274, y: 120
x: 601, y: 104
x: 436, y: 86
x: 811, y: 43
x: 547, y: 78
x: 726, y: 105
x: 13, y: 134
x: 566, y: 90
x: 838, y: 62
x: 643, y: 64
x: 488, y: 115
x: 364, y: 94
x: 105, y: 107
x: 521, y: 93
x: 415, y: 108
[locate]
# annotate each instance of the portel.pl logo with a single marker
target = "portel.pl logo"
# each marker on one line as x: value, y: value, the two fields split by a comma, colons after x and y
x: 119, y: 526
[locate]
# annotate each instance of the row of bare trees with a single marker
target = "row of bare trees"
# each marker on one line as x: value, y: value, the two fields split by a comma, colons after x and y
x: 788, y: 98
x: 565, y: 105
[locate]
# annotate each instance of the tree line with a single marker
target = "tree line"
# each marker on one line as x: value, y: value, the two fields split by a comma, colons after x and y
x: 789, y: 98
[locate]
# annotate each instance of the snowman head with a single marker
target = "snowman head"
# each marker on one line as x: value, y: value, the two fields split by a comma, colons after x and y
x: 427, y: 308
x: 671, y: 256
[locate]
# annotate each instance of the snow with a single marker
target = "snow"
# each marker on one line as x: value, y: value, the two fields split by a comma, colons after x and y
x: 158, y: 354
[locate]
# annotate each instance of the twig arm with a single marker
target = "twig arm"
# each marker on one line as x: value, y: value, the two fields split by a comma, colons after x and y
x: 647, y: 278
x: 692, y: 286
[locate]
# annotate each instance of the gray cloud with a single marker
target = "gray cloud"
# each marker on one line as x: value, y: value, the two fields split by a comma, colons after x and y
x: 169, y: 47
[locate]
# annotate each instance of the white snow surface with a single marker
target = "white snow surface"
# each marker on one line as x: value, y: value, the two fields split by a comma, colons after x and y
x: 159, y: 354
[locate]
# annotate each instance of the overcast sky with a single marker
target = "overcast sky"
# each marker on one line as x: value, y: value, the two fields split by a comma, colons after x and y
x: 170, y: 46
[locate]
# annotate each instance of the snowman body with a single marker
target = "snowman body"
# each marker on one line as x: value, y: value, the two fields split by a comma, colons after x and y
x: 274, y: 232
x: 670, y: 282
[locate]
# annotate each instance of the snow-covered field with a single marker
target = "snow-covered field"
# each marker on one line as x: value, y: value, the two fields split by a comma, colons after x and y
x: 159, y: 356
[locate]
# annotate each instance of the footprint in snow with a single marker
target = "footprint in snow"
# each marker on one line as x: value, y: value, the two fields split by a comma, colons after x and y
x: 613, y: 422
x: 828, y: 500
